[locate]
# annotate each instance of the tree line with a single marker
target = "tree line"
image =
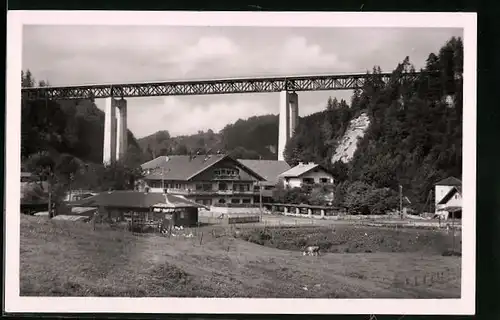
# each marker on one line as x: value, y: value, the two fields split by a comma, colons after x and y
x: 252, y: 138
x: 414, y: 138
x: 62, y: 143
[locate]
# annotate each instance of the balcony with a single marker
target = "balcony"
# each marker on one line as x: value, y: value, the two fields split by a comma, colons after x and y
x: 209, y: 192
x: 226, y: 177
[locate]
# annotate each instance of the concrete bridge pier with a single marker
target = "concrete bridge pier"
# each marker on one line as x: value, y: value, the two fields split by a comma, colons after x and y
x: 288, y: 119
x: 115, y: 130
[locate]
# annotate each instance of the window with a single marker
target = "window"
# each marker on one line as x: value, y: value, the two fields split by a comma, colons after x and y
x: 269, y: 187
x: 222, y: 186
x: 241, y: 187
x: 323, y: 180
x: 182, y: 215
x: 308, y: 180
x: 235, y: 200
x: 222, y: 201
x: 203, y: 187
x: 246, y: 200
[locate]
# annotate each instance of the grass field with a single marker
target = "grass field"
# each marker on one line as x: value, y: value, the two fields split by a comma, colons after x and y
x: 70, y: 259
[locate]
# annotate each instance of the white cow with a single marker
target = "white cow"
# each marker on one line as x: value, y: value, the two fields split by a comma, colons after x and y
x: 311, y: 251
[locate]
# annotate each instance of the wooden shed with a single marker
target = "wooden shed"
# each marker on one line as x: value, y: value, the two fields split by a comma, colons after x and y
x: 179, y: 216
x: 143, y: 208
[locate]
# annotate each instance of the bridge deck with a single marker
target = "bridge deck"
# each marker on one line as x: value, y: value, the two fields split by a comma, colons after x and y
x: 207, y: 87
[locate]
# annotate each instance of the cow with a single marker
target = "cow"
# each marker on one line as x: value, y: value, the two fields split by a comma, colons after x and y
x: 311, y: 251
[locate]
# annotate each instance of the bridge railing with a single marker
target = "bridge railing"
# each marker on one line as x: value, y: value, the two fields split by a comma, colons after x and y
x: 206, y: 87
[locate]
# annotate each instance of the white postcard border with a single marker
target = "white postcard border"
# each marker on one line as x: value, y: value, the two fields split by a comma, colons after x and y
x: 15, y: 303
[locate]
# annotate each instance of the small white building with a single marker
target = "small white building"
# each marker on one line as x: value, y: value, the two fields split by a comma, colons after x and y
x: 448, y: 197
x: 306, y: 174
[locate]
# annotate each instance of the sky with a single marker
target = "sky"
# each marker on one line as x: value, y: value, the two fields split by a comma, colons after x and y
x: 76, y: 55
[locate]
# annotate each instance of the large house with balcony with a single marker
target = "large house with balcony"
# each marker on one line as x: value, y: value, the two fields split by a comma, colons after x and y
x: 206, y: 179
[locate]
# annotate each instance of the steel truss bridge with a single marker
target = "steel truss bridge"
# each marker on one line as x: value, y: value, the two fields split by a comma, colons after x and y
x: 206, y: 87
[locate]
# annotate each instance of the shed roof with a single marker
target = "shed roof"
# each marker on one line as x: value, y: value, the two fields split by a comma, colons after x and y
x: 450, y: 181
x: 134, y: 199
x: 70, y: 218
x: 268, y: 169
x: 452, y: 209
x: 184, y: 168
x: 300, y: 169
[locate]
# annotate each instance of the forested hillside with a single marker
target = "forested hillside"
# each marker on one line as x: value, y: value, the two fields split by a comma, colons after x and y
x: 413, y: 140
x: 74, y: 127
x: 62, y: 143
x: 252, y: 138
x: 415, y: 136
x: 317, y: 135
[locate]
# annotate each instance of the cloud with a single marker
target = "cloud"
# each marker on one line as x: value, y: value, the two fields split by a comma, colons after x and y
x: 298, y: 53
x: 207, y: 49
x: 181, y: 116
x: 290, y: 55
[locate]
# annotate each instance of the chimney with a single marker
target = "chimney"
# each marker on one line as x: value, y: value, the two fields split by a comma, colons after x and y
x: 301, y: 163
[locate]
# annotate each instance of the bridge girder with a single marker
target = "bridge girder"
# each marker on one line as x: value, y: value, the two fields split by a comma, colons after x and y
x: 208, y: 87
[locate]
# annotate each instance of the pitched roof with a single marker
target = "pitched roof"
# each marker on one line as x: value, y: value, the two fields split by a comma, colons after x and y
x: 268, y: 169
x: 134, y: 199
x: 452, y: 209
x: 300, y: 169
x: 450, y: 181
x: 450, y: 194
x: 183, y: 168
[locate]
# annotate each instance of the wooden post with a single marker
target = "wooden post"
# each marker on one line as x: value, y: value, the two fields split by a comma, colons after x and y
x: 401, y: 201
x: 50, y: 200
x: 95, y: 217
x: 453, y: 230
x: 260, y: 199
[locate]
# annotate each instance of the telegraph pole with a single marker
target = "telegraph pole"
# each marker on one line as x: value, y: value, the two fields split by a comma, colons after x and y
x: 260, y: 199
x: 162, y: 181
x: 401, y: 201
